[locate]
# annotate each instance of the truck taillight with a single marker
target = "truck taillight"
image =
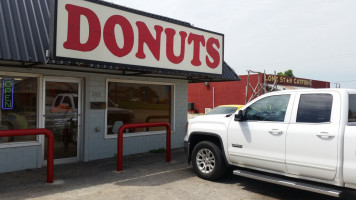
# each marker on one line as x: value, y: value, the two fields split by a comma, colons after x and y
x: 186, y: 127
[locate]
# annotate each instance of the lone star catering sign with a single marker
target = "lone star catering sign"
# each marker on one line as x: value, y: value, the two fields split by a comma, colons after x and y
x: 86, y: 30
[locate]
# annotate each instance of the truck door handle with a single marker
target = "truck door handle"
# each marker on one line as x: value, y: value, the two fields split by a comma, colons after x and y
x: 275, y: 132
x: 325, y: 135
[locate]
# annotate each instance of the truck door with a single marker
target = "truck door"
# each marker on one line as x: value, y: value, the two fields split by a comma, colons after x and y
x: 349, y: 144
x: 312, y: 136
x: 259, y: 139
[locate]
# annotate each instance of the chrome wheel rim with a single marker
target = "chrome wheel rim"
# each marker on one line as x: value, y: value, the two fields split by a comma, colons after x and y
x: 205, y: 160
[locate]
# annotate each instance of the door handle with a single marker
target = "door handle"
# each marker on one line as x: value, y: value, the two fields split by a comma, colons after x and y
x: 275, y: 132
x: 325, y: 135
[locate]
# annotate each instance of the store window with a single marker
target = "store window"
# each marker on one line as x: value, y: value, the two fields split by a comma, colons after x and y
x: 18, y: 106
x: 137, y: 103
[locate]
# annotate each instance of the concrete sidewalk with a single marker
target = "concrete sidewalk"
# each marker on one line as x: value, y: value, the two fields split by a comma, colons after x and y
x: 96, y: 179
x: 145, y: 176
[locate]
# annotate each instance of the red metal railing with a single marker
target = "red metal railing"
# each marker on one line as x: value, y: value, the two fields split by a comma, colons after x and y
x: 142, y: 125
x: 50, y: 144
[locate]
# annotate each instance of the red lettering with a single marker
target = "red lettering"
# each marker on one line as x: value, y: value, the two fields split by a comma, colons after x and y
x: 170, y: 45
x: 197, y: 40
x: 144, y: 36
x: 110, y: 39
x: 213, y: 52
x: 145, y: 39
x: 73, y: 36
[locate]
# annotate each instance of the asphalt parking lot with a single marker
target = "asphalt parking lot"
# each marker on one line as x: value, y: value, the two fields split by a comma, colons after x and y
x: 145, y: 176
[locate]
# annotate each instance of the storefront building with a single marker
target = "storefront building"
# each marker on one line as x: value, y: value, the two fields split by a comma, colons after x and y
x: 205, y: 96
x: 82, y: 68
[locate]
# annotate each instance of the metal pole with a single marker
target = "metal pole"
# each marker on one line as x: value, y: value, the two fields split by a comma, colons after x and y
x: 50, y: 145
x: 142, y: 125
x: 50, y: 156
x: 119, y: 147
x: 168, y: 143
x: 247, y: 86
x: 213, y: 97
x: 264, y: 82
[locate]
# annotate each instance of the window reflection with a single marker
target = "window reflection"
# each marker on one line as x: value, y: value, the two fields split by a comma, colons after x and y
x: 19, y: 106
x: 272, y: 108
x: 352, y: 108
x: 61, y: 117
x: 314, y: 108
x: 137, y: 103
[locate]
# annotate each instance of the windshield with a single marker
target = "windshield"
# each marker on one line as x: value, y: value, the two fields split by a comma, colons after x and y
x: 352, y: 108
x: 222, y: 110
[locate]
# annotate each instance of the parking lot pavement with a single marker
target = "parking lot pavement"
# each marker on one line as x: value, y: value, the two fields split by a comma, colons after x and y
x: 145, y: 176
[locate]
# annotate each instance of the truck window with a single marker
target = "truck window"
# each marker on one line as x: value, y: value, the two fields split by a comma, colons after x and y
x: 352, y: 108
x: 272, y: 108
x: 314, y: 108
x: 58, y: 101
x: 67, y: 101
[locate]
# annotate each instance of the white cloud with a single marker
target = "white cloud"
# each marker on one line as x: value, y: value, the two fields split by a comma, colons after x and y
x: 315, y: 38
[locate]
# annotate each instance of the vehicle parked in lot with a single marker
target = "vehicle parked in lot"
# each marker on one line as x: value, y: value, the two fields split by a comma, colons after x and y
x: 66, y: 104
x: 286, y: 137
x: 224, y: 109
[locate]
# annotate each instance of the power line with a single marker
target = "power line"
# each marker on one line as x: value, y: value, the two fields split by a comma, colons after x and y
x: 308, y: 60
x: 346, y: 81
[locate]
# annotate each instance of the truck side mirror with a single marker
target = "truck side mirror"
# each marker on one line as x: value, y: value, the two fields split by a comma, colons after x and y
x: 240, y: 116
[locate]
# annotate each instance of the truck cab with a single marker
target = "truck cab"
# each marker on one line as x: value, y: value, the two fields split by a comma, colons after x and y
x: 65, y: 103
x: 304, y: 134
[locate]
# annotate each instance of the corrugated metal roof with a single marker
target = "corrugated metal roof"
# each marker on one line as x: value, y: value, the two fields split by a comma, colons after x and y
x: 24, y: 30
x: 24, y: 36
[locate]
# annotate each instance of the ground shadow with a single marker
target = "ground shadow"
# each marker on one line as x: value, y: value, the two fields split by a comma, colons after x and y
x: 280, y: 192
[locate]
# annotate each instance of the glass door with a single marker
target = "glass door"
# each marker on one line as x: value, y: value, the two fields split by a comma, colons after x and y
x: 62, y: 111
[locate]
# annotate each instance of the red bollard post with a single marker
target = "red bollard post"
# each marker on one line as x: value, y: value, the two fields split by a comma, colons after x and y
x: 168, y: 143
x: 142, y: 125
x: 50, y: 156
x: 50, y: 145
x: 119, y: 147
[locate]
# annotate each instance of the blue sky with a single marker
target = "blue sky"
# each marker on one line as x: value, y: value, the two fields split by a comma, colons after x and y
x: 314, y: 38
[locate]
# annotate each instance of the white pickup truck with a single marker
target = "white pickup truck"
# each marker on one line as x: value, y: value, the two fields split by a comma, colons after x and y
x: 305, y: 139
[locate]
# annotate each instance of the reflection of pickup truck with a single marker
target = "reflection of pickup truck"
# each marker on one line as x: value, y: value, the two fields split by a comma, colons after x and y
x: 68, y: 103
x: 65, y: 103
x: 63, y: 117
x: 65, y: 109
x: 287, y: 138
x: 116, y: 114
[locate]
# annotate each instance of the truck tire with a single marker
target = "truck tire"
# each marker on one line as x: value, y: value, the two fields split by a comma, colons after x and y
x: 208, y: 161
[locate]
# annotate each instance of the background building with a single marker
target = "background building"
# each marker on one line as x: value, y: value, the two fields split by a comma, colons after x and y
x: 211, y: 94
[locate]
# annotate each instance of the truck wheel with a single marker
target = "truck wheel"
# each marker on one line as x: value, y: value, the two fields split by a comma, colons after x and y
x: 207, y: 160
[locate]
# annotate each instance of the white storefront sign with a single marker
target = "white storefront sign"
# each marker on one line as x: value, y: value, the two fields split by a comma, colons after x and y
x: 91, y: 31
